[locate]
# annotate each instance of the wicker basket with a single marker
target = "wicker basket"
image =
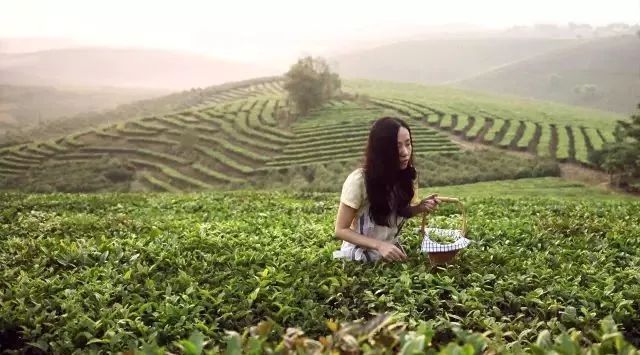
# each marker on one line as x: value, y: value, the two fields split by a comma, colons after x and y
x: 440, y: 254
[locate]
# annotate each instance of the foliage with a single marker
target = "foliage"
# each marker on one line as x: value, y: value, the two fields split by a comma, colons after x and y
x: 621, y: 159
x: 239, y: 141
x: 110, y: 272
x: 104, y: 174
x: 385, y: 334
x: 156, y: 106
x: 310, y: 83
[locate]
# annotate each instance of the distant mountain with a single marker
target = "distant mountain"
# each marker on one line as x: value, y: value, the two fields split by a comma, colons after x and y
x: 25, y: 106
x: 602, y: 73
x: 438, y: 61
x: 140, y: 68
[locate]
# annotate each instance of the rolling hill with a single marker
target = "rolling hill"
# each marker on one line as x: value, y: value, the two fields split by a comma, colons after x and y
x: 603, y: 74
x: 241, y: 138
x: 24, y: 106
x: 159, y: 105
x: 119, y: 67
x: 597, y: 73
x: 438, y: 61
x: 562, y: 132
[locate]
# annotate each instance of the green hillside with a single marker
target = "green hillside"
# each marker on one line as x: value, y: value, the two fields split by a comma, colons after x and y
x: 562, y: 132
x: 551, y: 188
x: 239, y: 139
x: 177, y: 101
x: 602, y: 74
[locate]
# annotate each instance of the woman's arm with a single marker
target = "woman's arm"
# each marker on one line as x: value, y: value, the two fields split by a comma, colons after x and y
x: 410, y: 211
x: 426, y: 205
x: 345, y: 217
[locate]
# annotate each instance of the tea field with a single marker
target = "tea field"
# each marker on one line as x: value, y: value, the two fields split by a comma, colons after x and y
x: 562, y: 132
x: 86, y: 273
x: 243, y: 138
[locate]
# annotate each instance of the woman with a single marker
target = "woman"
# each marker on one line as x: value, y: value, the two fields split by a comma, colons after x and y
x: 377, y: 198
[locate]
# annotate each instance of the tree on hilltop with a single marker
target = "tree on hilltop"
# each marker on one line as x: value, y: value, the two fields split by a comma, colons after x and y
x: 310, y: 83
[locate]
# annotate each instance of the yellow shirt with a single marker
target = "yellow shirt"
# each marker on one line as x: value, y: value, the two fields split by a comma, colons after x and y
x: 354, y: 195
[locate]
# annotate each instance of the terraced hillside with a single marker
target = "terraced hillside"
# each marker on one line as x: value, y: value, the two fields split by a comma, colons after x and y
x: 339, y: 133
x: 240, y: 138
x: 175, y: 102
x: 217, y: 146
x: 194, y: 149
x: 560, y: 132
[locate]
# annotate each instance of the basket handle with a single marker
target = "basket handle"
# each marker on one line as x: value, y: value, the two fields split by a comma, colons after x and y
x: 448, y: 200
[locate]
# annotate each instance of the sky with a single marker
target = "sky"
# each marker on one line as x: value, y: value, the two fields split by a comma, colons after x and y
x: 244, y: 30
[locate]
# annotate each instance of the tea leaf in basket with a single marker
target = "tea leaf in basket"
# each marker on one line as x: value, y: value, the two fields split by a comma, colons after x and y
x: 441, y: 239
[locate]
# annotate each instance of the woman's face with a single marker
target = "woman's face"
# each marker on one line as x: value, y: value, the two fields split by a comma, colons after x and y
x: 404, y: 147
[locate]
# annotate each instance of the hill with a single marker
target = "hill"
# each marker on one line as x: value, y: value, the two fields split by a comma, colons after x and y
x: 602, y: 74
x: 243, y: 138
x: 119, y: 67
x: 598, y: 73
x: 22, y: 107
x: 438, y: 61
x: 156, y: 106
x: 546, y: 129
x: 234, y: 145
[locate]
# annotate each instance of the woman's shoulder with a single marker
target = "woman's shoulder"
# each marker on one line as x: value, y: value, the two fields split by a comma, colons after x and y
x: 355, y: 180
x: 359, y: 172
x: 353, y: 189
x: 356, y: 176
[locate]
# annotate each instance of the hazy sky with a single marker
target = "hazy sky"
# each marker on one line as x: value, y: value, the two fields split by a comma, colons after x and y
x: 245, y: 30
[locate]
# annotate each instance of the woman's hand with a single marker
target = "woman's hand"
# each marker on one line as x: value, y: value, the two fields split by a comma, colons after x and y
x: 390, y: 252
x: 428, y: 204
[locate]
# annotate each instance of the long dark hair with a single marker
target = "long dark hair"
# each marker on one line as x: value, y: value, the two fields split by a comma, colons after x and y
x: 389, y: 188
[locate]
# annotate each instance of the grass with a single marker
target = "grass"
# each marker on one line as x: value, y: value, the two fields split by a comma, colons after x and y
x: 215, y: 175
x: 527, y: 135
x: 222, y: 159
x: 510, y: 134
x: 167, y: 158
x: 562, y: 151
x: 490, y: 135
x: 543, y: 149
x: 173, y: 175
x: 475, y: 130
x: 470, y: 102
x: 549, y: 188
x: 157, y: 183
